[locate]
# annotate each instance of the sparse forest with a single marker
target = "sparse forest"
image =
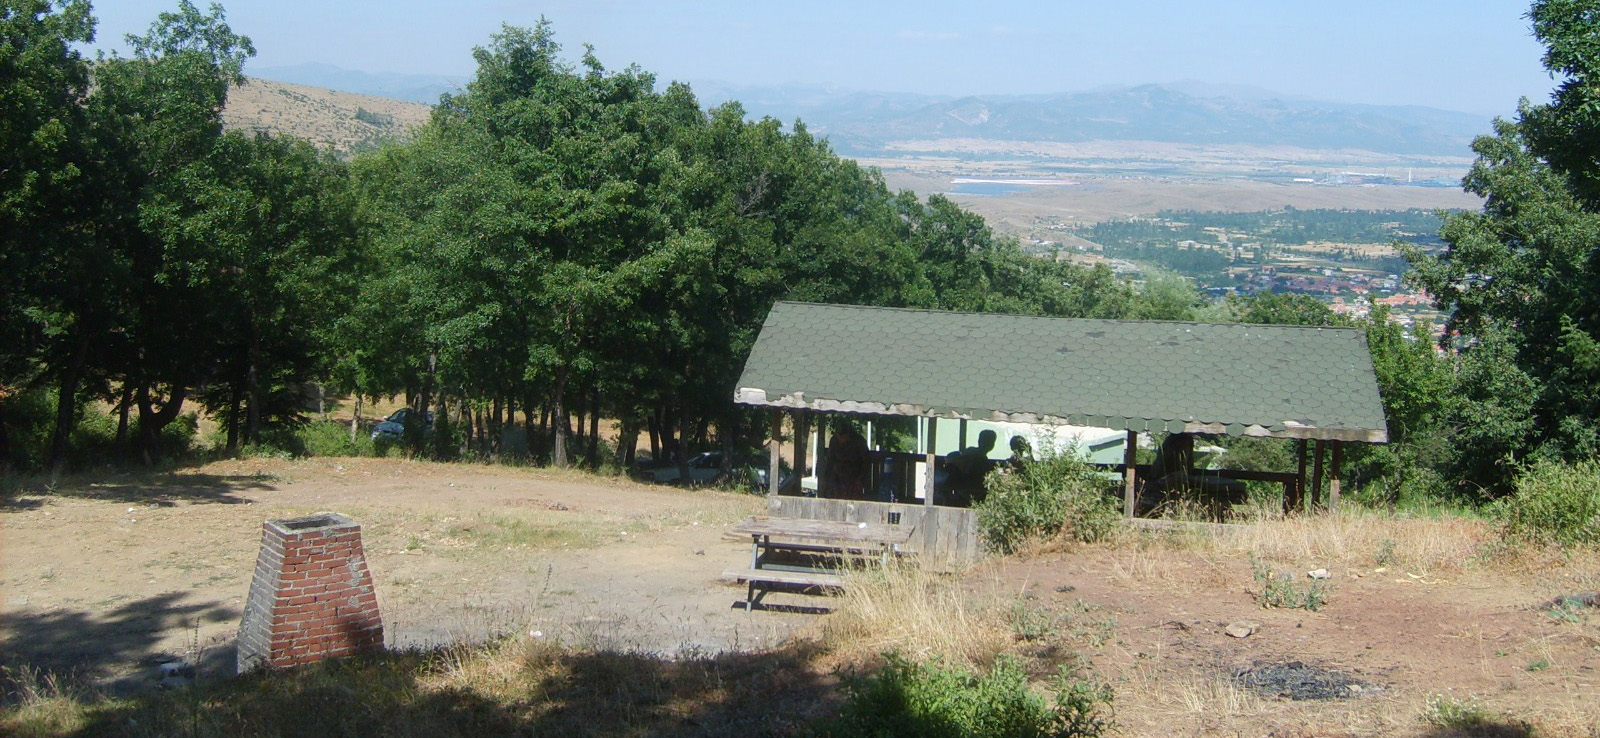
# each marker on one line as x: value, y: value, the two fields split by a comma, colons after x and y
x: 564, y: 243
x: 561, y: 243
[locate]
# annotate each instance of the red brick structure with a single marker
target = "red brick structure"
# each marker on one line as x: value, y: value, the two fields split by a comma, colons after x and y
x: 311, y: 597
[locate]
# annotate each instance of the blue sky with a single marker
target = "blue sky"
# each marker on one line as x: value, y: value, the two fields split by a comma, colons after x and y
x: 1472, y: 55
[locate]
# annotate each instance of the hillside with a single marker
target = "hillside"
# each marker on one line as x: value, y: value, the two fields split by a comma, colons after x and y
x: 344, y: 122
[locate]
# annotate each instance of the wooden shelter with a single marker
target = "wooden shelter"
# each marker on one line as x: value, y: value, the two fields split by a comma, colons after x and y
x: 1312, y: 384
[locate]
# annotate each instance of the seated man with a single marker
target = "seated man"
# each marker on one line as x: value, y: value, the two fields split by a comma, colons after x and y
x: 967, y: 468
x: 847, y: 468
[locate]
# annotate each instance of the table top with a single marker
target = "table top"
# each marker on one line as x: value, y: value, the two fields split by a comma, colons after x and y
x: 825, y: 530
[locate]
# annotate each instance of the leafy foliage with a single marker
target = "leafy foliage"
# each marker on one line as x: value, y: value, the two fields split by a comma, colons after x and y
x: 1554, y: 504
x: 1517, y: 277
x: 1275, y: 590
x: 930, y: 700
x: 1060, y: 494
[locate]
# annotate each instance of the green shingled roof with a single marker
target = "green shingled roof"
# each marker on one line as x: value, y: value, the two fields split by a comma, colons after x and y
x: 1264, y: 380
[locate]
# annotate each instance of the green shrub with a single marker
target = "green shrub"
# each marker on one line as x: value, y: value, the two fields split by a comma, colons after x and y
x: 1281, y: 590
x: 332, y: 438
x: 907, y: 698
x: 1554, y: 504
x: 1059, y: 494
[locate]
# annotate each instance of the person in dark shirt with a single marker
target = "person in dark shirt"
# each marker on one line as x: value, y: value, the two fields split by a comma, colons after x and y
x: 847, y: 469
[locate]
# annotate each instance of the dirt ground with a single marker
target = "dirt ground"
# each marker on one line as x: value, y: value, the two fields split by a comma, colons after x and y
x: 109, y: 577
x: 1156, y: 626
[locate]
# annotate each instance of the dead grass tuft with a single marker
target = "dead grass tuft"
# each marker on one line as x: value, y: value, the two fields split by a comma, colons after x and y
x: 1358, y: 539
x: 40, y: 704
x: 918, y: 614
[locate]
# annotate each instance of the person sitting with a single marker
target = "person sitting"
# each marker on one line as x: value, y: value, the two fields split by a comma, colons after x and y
x: 1021, y: 453
x: 847, y: 469
x: 967, y: 468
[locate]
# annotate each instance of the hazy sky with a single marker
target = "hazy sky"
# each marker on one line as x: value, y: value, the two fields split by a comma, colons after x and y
x: 1473, y: 55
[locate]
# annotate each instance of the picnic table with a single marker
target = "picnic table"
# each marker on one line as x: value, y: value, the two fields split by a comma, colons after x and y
x: 777, y: 539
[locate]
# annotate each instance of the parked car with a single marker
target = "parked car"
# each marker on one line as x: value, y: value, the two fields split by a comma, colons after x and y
x: 394, y: 426
x: 703, y: 469
x: 706, y: 468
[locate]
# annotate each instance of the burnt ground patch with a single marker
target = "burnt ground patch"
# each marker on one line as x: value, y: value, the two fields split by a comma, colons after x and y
x: 1297, y: 680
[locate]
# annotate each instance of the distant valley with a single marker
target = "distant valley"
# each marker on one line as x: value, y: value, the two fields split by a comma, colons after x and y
x: 1124, y: 151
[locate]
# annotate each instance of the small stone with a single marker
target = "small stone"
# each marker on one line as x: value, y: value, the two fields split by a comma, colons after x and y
x: 1318, y: 574
x: 699, y: 552
x: 1241, y: 628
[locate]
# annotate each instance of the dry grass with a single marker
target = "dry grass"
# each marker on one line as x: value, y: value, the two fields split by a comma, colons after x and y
x: 1360, y: 539
x: 917, y: 614
x: 41, y: 704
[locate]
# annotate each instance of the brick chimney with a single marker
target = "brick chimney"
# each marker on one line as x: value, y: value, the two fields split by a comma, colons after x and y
x: 311, y: 597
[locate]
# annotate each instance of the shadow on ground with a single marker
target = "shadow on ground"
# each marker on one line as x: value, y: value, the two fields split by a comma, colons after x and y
x: 527, y: 689
x: 117, y: 650
x: 1487, y: 729
x: 150, y: 488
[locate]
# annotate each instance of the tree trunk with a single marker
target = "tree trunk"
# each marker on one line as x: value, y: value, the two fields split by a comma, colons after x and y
x: 558, y: 413
x: 653, y: 422
x: 67, y: 404
x: 5, y: 438
x: 355, y: 420
x: 124, y: 404
x: 527, y: 425
x: 683, y: 450
x: 151, y: 421
x: 234, y: 401
x: 421, y: 407
x: 496, y: 424
x: 594, y: 430
x: 627, y: 441
x: 252, y: 428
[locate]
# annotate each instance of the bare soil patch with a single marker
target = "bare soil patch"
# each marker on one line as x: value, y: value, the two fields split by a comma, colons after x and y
x: 1390, y: 641
x: 107, y: 578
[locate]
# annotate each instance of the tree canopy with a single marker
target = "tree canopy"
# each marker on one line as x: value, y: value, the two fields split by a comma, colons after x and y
x: 1518, y: 279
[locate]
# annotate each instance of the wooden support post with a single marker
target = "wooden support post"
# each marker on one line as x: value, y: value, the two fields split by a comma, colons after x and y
x: 802, y: 434
x: 1299, y: 501
x: 820, y: 453
x: 1333, y: 476
x: 932, y: 455
x: 961, y: 435
x: 774, y: 452
x: 1130, y: 474
x: 1316, y: 474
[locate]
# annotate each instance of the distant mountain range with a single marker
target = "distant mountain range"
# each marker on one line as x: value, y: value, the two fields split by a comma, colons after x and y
x: 1185, y: 112
x: 864, y: 122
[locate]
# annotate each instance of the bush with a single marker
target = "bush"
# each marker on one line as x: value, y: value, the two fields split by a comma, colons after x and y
x: 332, y: 438
x: 1554, y: 503
x: 906, y: 698
x: 315, y: 438
x: 1059, y: 494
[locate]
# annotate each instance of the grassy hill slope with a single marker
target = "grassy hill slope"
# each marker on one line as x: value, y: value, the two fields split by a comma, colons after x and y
x: 344, y: 122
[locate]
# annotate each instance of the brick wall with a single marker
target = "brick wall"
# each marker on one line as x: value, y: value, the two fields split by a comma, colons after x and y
x: 311, y: 597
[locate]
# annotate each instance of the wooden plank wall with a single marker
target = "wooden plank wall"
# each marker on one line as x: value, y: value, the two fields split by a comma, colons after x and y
x: 946, y: 537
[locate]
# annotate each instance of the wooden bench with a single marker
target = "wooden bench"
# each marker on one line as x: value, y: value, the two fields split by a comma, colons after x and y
x: 767, y: 579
